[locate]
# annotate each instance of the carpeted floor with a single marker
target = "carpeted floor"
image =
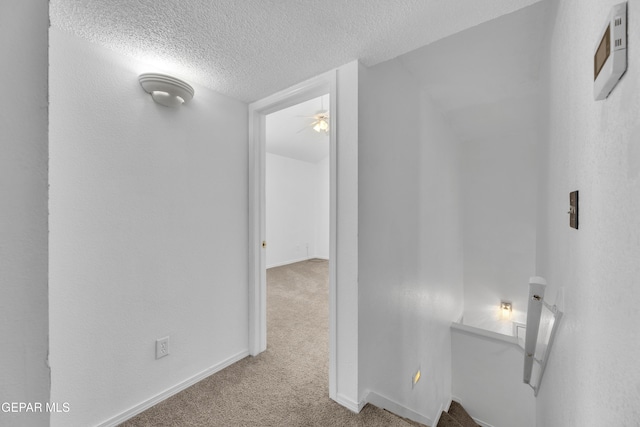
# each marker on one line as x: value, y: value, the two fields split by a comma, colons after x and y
x: 456, y: 416
x: 287, y: 385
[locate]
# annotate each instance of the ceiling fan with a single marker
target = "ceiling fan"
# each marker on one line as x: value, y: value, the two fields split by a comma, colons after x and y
x: 320, y: 120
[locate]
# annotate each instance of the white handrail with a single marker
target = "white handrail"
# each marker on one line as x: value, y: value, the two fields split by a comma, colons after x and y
x: 537, y: 286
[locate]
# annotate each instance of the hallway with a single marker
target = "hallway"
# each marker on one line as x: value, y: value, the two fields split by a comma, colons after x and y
x: 283, y: 386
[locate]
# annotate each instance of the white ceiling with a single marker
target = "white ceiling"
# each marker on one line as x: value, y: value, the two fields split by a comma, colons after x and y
x: 485, y: 80
x: 289, y: 134
x: 249, y: 49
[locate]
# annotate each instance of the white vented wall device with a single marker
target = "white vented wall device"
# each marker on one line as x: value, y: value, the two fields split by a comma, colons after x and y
x: 542, y: 324
x: 610, y: 55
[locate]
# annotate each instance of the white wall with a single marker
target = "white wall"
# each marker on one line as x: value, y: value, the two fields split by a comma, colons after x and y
x: 322, y: 212
x: 592, y: 377
x: 148, y: 233
x: 440, y: 294
x: 290, y: 199
x: 24, y: 322
x: 485, y: 81
x: 499, y: 178
x: 297, y: 209
x: 487, y: 380
x: 410, y: 246
x: 346, y: 262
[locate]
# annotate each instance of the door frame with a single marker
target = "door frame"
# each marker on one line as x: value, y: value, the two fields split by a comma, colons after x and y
x: 317, y: 86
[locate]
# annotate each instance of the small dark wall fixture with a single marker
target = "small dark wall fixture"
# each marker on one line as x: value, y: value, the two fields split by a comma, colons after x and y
x: 573, y: 209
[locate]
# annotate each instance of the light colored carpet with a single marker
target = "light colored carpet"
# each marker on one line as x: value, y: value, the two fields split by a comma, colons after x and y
x: 287, y: 385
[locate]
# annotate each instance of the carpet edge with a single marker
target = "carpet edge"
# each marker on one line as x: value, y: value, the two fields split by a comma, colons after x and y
x: 395, y: 408
x: 146, y: 404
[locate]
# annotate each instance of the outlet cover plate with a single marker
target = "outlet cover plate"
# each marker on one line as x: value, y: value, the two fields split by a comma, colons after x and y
x: 162, y: 347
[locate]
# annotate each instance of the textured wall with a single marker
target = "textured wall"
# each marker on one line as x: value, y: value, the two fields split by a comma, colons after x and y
x: 439, y: 293
x: 487, y: 380
x: 485, y: 81
x: 410, y: 245
x: 594, y: 147
x: 499, y: 191
x: 292, y: 209
x: 322, y: 211
x: 24, y: 323
x: 148, y: 220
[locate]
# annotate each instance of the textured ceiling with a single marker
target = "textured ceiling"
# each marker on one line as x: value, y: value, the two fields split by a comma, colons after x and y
x: 249, y: 49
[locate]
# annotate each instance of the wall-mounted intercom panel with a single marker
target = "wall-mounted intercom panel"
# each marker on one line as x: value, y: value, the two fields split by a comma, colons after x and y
x: 610, y: 56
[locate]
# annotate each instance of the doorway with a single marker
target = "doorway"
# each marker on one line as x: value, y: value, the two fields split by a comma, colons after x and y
x: 297, y: 194
x: 297, y: 183
x: 321, y: 86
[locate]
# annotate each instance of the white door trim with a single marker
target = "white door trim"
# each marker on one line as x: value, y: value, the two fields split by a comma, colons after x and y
x: 320, y: 85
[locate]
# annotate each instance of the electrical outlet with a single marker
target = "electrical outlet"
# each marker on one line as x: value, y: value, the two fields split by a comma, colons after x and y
x: 162, y: 347
x: 415, y: 378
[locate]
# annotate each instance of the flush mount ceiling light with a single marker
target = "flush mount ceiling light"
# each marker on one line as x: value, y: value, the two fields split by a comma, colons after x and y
x: 166, y: 90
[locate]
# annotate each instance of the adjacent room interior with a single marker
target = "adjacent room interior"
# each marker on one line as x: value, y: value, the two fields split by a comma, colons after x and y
x: 297, y: 194
x: 297, y: 183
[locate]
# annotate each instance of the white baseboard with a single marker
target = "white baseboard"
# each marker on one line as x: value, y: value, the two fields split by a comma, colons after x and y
x: 442, y: 408
x: 293, y: 261
x: 280, y: 264
x: 351, y: 405
x: 396, y: 408
x: 481, y: 423
x: 361, y: 404
x: 141, y: 407
x: 436, y: 419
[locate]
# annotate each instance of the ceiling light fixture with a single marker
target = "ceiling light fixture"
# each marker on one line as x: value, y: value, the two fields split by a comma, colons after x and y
x: 320, y: 120
x: 166, y: 90
x: 321, y: 124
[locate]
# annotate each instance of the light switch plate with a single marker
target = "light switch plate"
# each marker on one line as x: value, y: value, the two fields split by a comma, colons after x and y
x: 573, y: 209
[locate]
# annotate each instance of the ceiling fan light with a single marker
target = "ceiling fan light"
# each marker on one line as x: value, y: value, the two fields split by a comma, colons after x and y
x: 324, y: 125
x: 317, y: 127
